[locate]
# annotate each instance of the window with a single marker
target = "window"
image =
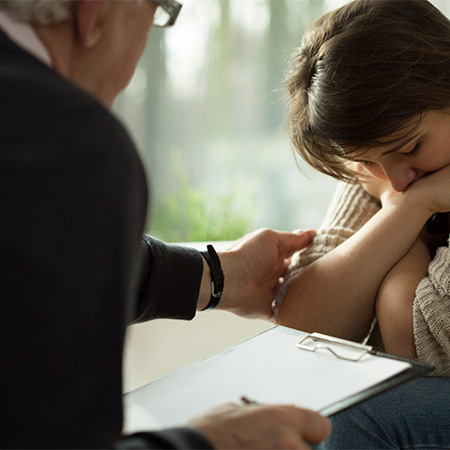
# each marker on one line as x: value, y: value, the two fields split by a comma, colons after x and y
x: 207, y: 108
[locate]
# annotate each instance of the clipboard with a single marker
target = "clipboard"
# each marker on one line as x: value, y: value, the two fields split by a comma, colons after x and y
x: 278, y: 366
x: 354, y: 352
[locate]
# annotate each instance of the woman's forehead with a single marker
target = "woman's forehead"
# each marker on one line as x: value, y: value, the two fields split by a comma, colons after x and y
x: 390, y: 143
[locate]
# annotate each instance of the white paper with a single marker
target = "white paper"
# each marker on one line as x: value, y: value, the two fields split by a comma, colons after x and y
x: 268, y: 368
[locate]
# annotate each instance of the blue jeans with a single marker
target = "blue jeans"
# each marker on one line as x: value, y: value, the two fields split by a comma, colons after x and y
x: 415, y: 415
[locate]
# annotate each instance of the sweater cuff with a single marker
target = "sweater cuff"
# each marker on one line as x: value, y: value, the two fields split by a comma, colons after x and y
x: 351, y: 207
x: 431, y: 314
x: 439, y: 271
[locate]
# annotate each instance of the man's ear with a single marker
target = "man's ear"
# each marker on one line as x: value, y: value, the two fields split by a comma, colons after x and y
x: 89, y: 17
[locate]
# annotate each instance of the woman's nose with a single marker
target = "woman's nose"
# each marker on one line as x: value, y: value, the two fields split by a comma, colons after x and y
x: 399, y: 175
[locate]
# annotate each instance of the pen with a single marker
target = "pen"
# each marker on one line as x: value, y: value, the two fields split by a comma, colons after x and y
x: 247, y: 401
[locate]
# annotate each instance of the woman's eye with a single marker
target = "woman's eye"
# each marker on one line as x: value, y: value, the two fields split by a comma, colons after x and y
x: 414, y: 151
x: 366, y: 163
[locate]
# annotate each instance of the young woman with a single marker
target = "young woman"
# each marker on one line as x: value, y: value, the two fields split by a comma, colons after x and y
x: 370, y: 106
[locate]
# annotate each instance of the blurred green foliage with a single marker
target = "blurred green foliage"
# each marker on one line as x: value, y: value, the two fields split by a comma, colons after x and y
x: 194, y: 213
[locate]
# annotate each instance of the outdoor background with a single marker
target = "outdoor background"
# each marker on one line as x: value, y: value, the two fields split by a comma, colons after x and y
x: 207, y: 110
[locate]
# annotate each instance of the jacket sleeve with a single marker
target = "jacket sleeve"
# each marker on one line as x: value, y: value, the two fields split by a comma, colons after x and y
x: 431, y: 314
x: 169, y: 287
x: 172, y: 438
x: 169, y: 281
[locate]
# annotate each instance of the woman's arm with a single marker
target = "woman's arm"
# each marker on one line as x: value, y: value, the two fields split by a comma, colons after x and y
x: 350, y: 208
x: 343, y: 284
x: 394, y: 304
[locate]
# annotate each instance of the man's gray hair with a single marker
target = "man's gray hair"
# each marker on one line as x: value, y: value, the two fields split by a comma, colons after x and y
x: 43, y: 12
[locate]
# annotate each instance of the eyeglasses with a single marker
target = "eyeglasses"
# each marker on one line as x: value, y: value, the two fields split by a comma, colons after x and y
x: 166, y: 13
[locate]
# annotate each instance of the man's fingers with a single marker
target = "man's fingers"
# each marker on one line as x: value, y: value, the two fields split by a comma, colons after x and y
x: 315, y: 428
x: 292, y: 242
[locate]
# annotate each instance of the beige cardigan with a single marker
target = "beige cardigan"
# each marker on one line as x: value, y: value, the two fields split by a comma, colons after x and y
x: 350, y: 209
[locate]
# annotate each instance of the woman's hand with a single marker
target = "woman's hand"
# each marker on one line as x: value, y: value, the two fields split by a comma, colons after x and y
x: 432, y: 191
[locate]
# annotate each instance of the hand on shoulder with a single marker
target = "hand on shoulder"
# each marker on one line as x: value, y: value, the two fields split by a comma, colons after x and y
x: 253, y: 267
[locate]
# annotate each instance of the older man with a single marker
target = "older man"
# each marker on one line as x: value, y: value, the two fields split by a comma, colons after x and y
x: 75, y: 269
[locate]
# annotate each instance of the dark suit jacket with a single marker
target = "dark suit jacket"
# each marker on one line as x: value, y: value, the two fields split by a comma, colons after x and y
x: 73, y: 198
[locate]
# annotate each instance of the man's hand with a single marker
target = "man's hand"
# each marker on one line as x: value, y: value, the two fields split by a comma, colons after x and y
x: 263, y: 427
x: 253, y: 267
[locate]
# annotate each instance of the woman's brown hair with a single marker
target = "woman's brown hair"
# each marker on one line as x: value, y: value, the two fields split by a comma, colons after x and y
x: 361, y: 74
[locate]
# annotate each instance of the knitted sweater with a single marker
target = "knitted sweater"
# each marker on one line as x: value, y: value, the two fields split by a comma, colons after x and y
x: 349, y: 210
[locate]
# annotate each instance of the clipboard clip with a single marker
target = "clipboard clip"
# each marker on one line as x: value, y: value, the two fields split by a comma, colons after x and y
x: 341, y: 348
